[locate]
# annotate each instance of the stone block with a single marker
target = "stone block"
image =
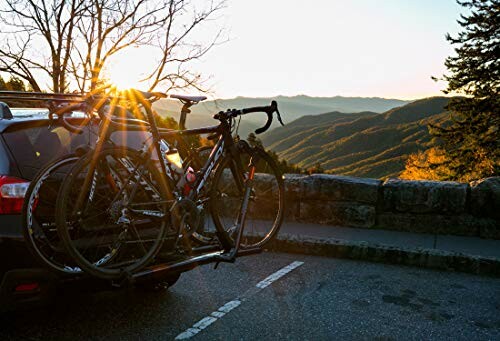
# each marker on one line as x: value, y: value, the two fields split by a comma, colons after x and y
x: 293, y: 186
x: 443, y: 197
x: 340, y: 188
x: 485, y: 198
x: 338, y: 213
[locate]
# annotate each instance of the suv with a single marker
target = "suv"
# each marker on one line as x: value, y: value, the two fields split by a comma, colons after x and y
x: 27, y: 142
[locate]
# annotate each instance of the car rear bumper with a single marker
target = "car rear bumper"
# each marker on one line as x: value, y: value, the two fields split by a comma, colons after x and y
x: 18, y: 267
x: 11, y: 226
x: 26, y: 288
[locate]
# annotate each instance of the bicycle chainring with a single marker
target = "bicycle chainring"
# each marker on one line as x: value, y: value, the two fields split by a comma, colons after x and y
x: 186, y: 216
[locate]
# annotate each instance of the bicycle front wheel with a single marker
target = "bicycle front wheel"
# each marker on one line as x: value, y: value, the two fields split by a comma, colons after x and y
x: 266, y: 203
x: 114, y: 205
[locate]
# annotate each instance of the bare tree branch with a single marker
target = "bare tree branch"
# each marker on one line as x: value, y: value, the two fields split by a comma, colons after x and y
x: 72, y: 41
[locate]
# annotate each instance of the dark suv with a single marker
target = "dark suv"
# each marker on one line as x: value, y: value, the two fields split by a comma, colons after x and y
x: 27, y: 142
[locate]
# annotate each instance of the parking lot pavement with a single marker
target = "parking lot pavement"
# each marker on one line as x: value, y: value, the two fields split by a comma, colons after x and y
x: 279, y: 296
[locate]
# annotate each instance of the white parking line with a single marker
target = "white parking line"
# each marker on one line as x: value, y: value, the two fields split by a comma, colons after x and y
x: 226, y: 308
x: 278, y: 274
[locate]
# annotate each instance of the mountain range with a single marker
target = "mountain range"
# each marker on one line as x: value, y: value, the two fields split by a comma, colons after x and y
x: 291, y: 108
x: 365, y: 137
x: 365, y: 144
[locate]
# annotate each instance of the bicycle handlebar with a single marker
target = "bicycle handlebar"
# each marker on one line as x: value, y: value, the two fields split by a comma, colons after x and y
x: 87, y: 104
x: 269, y: 110
x: 60, y: 112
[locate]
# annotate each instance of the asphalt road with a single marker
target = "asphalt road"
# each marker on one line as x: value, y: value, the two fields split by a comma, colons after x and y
x: 323, y: 298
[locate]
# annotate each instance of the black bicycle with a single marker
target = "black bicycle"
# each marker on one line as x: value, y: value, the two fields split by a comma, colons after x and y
x: 120, y: 203
x: 39, y: 209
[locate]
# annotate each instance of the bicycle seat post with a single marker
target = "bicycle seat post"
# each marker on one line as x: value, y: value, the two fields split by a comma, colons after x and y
x: 184, y: 111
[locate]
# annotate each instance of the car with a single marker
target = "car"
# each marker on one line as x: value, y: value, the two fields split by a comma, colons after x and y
x: 28, y: 141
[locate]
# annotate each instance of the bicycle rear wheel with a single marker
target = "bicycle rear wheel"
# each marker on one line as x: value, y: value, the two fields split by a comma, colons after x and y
x: 204, y: 234
x: 38, y: 215
x: 266, y: 205
x: 124, y: 213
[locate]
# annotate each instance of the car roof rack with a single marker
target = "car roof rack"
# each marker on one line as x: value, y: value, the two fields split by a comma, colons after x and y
x: 5, y: 111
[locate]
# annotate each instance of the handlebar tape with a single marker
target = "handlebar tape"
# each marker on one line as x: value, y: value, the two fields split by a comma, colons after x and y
x: 269, y: 110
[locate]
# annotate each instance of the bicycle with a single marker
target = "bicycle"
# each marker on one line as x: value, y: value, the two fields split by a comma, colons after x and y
x: 38, y: 211
x: 143, y: 210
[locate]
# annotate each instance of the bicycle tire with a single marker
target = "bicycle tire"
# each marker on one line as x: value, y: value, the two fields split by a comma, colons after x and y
x: 38, y: 217
x: 266, y: 207
x: 70, y: 228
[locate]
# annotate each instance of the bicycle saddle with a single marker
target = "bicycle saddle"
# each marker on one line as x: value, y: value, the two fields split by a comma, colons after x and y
x: 194, y: 99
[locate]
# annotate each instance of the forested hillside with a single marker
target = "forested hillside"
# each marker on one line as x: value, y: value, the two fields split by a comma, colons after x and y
x: 364, y: 144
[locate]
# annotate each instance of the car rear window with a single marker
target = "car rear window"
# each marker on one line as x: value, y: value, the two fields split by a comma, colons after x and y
x: 34, y: 147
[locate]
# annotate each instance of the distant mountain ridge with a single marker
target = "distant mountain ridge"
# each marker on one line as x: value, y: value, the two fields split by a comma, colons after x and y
x: 365, y: 144
x: 291, y: 107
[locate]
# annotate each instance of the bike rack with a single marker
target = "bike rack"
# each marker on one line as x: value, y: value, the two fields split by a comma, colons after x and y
x: 187, y: 264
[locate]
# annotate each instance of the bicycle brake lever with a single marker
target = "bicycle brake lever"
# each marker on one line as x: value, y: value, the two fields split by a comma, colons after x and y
x: 279, y: 117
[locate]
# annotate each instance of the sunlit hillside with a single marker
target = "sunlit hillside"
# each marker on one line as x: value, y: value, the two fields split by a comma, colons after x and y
x: 363, y: 144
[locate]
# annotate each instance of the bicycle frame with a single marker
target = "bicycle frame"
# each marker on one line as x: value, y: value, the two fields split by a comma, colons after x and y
x: 225, y: 144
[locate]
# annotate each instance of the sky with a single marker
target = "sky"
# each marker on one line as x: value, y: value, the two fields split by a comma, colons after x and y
x: 385, y: 48
x: 368, y: 48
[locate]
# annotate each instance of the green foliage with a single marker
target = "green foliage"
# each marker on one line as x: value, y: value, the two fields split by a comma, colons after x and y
x: 13, y: 84
x: 316, y: 169
x: 471, y: 143
x: 170, y: 123
x: 283, y: 165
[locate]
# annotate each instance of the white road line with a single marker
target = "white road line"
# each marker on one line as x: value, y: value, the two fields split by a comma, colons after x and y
x: 226, y: 308
x: 278, y: 274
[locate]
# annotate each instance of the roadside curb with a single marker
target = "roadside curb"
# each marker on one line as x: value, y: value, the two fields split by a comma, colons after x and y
x: 420, y: 257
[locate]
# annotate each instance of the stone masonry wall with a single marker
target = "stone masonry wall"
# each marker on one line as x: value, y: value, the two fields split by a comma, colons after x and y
x: 418, y: 206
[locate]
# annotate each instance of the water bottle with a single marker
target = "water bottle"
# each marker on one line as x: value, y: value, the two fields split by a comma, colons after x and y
x: 173, y: 161
x: 189, y: 180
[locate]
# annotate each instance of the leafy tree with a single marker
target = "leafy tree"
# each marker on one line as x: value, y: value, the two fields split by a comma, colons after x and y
x: 3, y: 85
x: 15, y: 84
x: 316, y: 169
x: 470, y: 141
x: 427, y: 165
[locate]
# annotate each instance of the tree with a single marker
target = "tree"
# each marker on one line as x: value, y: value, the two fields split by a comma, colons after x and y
x: 71, y: 41
x: 316, y: 169
x: 282, y: 164
x: 13, y: 84
x: 427, y: 165
x: 3, y: 85
x: 470, y: 141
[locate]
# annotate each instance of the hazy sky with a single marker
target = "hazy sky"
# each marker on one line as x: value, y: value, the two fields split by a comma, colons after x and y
x: 387, y: 48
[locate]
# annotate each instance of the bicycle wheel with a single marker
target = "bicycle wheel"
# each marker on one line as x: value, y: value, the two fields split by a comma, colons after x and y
x: 266, y: 204
x: 124, y: 213
x: 38, y: 217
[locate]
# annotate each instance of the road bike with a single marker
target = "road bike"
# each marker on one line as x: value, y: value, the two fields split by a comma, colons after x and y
x: 118, y: 202
x: 39, y: 228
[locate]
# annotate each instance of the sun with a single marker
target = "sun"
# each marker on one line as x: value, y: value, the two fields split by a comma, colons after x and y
x: 126, y: 70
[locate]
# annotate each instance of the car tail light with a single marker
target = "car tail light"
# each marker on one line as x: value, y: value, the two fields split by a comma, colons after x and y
x: 12, y: 191
x: 27, y: 287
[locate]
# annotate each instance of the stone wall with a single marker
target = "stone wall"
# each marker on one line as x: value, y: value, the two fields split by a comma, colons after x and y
x: 419, y: 206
